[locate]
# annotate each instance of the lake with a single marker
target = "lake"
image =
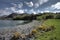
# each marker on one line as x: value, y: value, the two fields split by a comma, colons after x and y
x: 10, y: 23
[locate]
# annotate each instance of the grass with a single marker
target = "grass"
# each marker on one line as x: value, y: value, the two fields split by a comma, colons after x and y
x: 51, y: 35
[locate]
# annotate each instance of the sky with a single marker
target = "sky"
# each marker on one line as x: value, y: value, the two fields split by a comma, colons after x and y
x: 28, y: 6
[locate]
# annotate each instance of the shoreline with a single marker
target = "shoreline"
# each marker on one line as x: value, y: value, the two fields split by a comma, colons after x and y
x: 23, y: 29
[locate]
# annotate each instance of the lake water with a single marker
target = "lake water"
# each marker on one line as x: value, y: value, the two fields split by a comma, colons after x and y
x: 10, y: 23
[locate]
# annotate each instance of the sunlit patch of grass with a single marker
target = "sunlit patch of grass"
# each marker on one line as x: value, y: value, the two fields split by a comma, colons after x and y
x: 54, y: 34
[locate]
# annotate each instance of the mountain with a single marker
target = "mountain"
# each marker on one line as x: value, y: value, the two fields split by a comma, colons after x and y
x: 17, y: 16
x: 3, y: 17
x: 12, y: 15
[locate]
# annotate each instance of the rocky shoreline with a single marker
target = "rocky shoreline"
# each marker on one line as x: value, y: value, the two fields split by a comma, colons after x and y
x: 7, y: 33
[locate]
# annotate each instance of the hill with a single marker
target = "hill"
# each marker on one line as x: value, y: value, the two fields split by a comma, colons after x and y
x: 51, y: 35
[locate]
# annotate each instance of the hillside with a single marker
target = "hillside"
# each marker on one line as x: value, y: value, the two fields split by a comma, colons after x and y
x: 51, y: 35
x: 16, y: 16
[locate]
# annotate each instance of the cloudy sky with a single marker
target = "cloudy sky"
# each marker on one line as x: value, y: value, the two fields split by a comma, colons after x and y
x: 28, y: 6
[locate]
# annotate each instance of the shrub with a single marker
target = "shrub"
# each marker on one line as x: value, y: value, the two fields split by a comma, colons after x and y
x: 45, y: 28
x: 34, y: 31
x: 52, y: 27
x: 57, y: 16
x: 49, y: 17
x: 42, y: 28
x: 16, y: 36
x: 43, y: 17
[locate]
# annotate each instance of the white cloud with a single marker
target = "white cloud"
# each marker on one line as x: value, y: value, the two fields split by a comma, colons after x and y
x: 20, y: 11
x: 12, y: 9
x: 42, y: 1
x: 46, y: 11
x: 20, y: 5
x: 38, y: 11
x: 56, y: 11
x: 25, y: 10
x: 53, y: 8
x: 32, y: 11
x: 30, y: 4
x: 15, y: 5
x: 36, y: 5
x: 56, y: 6
x: 4, y: 12
x: 41, y: 12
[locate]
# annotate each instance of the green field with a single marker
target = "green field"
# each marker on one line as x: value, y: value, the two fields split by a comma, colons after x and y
x: 51, y: 35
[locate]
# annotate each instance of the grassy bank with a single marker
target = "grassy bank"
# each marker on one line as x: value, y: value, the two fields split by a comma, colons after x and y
x: 49, y: 30
x: 51, y: 35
